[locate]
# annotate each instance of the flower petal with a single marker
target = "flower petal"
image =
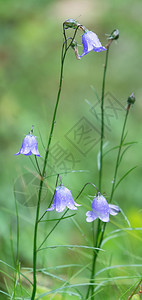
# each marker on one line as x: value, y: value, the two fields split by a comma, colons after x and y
x: 113, y: 209
x: 60, y: 206
x: 101, y: 208
x: 86, y: 44
x: 104, y: 218
x: 99, y: 49
x: 63, y: 198
x: 51, y: 208
x: 29, y: 146
x: 71, y: 206
x: 33, y: 146
x: 90, y: 42
x: 91, y: 216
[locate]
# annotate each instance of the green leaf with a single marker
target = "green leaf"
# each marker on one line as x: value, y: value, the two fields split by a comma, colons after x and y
x: 125, y: 175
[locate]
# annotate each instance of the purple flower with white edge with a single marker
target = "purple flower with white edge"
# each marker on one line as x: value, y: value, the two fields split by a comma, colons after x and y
x: 29, y: 145
x: 101, y: 209
x: 63, y: 198
x: 90, y: 42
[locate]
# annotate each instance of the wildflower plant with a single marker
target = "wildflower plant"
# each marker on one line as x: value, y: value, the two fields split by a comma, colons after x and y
x: 62, y: 199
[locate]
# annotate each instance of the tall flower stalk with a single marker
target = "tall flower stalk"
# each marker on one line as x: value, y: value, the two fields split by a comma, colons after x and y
x: 130, y: 101
x: 65, y: 48
x: 91, y: 287
x: 114, y: 35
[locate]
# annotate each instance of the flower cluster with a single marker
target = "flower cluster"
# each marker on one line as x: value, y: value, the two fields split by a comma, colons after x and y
x: 100, y: 208
x: 90, y: 40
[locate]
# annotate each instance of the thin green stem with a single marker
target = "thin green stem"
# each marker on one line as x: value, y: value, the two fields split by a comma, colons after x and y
x: 102, y: 231
x: 38, y: 167
x: 102, y: 120
x: 118, y: 155
x: 115, y: 171
x: 100, y: 177
x: 42, y: 179
x: 17, y: 254
x: 84, y: 188
x: 52, y: 230
x: 50, y: 201
x: 63, y: 55
x: 99, y: 241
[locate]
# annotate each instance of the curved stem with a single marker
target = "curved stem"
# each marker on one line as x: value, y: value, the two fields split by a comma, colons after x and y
x: 84, y: 188
x: 63, y: 55
x: 51, y: 200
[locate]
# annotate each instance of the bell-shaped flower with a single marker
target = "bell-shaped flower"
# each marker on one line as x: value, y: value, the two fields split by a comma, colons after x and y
x: 101, y: 209
x: 90, y: 42
x: 63, y: 198
x: 29, y: 146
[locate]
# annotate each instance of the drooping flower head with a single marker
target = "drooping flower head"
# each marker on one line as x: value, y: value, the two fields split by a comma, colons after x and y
x: 63, y: 198
x: 90, y: 42
x: 71, y: 23
x: 101, y: 209
x: 29, y: 145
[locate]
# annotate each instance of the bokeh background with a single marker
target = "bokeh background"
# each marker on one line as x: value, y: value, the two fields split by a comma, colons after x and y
x: 30, y: 49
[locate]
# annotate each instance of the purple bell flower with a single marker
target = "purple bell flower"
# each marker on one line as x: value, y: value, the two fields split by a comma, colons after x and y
x: 101, y: 209
x: 90, y: 42
x: 63, y: 198
x: 29, y: 146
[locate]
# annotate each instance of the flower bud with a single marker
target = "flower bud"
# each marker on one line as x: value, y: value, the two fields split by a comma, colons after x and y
x: 136, y: 297
x: 114, y: 35
x: 70, y: 23
x: 131, y: 99
x: 74, y: 47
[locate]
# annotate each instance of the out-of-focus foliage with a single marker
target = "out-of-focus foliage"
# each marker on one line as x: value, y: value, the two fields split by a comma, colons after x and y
x: 30, y: 49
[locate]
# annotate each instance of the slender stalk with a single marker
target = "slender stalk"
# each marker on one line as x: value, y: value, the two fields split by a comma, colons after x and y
x: 84, y: 188
x: 102, y: 139
x: 63, y: 55
x: 99, y: 241
x: 50, y: 201
x: 38, y: 168
x: 102, y: 231
x: 116, y: 170
x: 41, y: 182
x: 102, y: 120
x: 17, y: 254
x: 52, y: 230
x: 118, y: 155
x: 100, y: 177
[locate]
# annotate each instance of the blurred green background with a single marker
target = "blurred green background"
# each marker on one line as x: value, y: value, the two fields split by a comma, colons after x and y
x: 30, y: 48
